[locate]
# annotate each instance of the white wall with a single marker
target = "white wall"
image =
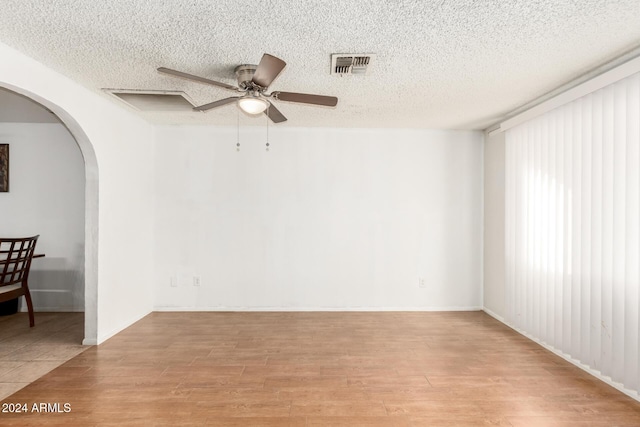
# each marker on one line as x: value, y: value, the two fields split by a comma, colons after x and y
x: 117, y: 146
x: 494, y: 227
x: 47, y: 198
x: 19, y: 109
x: 328, y: 219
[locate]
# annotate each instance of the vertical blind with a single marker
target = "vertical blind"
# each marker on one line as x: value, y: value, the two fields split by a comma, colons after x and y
x: 573, y: 230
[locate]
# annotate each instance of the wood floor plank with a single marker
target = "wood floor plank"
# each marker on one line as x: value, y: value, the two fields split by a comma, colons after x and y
x: 339, y: 409
x: 358, y: 421
x: 313, y: 369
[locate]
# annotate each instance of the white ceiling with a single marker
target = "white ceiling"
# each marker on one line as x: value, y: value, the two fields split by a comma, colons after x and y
x: 440, y: 64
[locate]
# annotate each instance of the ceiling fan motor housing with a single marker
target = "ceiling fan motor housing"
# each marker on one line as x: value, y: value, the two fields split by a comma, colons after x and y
x: 244, y: 74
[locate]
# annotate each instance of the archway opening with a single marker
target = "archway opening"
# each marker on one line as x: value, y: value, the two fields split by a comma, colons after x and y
x: 66, y: 218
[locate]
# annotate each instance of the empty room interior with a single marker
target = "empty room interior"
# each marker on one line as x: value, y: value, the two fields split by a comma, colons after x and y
x: 391, y: 213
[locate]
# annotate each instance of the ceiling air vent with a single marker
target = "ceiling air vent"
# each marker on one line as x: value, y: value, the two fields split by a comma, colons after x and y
x: 351, y: 63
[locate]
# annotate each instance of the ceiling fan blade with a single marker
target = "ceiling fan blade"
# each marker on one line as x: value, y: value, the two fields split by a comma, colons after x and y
x: 218, y: 103
x: 195, y: 78
x: 268, y: 69
x: 305, y: 98
x: 274, y: 114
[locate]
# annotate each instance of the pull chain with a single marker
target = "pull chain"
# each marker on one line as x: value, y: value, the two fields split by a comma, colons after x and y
x: 238, y: 131
x: 268, y: 120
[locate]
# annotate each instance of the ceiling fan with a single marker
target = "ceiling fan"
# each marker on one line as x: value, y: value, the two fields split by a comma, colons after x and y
x: 253, y: 82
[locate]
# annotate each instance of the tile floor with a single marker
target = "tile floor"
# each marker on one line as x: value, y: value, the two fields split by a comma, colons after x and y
x: 26, y: 354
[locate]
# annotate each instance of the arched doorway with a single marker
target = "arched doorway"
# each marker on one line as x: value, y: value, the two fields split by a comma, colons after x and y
x: 90, y: 209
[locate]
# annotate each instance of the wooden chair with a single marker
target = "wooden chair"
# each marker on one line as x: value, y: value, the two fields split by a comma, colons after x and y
x: 15, y: 263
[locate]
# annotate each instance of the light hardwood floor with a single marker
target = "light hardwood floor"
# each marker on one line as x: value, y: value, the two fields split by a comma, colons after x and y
x: 321, y: 369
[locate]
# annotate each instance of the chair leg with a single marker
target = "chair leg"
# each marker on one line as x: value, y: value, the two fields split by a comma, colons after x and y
x: 27, y: 297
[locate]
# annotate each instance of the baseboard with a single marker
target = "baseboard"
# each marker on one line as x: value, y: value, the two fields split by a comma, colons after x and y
x: 295, y: 309
x: 494, y: 315
x: 105, y: 336
x: 631, y: 393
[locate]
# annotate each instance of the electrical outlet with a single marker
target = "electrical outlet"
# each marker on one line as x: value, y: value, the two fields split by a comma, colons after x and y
x: 174, y: 282
x: 196, y: 280
x: 422, y: 283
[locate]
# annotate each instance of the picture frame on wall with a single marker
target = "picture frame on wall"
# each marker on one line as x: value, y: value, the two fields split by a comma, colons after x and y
x: 4, y: 168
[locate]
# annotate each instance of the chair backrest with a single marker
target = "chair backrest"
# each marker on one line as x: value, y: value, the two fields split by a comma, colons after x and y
x: 15, y: 259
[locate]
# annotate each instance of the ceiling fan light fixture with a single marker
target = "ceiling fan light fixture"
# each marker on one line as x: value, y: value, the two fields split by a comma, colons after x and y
x: 252, y: 105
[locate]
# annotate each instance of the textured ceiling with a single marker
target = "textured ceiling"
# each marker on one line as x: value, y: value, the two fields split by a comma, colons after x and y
x: 440, y: 64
